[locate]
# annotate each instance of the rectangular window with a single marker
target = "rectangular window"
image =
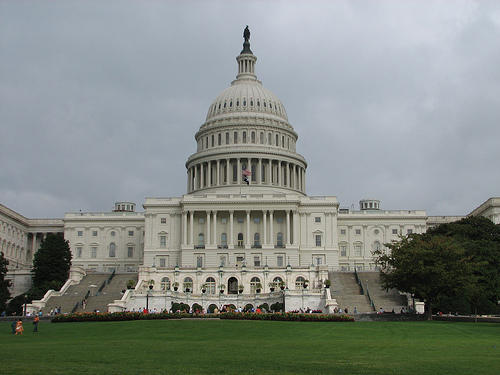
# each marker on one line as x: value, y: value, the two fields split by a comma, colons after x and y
x: 79, y: 251
x: 93, y: 252
x: 201, y: 220
x: 256, y: 220
x: 163, y: 220
x: 80, y: 233
x: 279, y: 260
x: 222, y: 260
x: 130, y: 252
x: 409, y: 231
x: 358, y: 250
x: 240, y: 260
x: 279, y: 219
x: 342, y: 231
x: 223, y: 220
x: 318, y: 240
x: 163, y: 262
x: 199, y: 261
x: 94, y: 233
x: 394, y: 231
x: 358, y: 231
x: 343, y: 251
x: 319, y: 261
x: 317, y: 219
x: 163, y: 241
x: 130, y: 233
x: 256, y: 261
x: 240, y: 220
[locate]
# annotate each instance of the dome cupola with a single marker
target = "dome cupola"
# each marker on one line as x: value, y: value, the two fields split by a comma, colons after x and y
x: 246, y: 128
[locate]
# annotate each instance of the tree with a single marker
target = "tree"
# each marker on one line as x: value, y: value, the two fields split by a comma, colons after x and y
x: 51, y: 265
x: 481, y: 239
x: 427, y: 266
x: 4, y: 284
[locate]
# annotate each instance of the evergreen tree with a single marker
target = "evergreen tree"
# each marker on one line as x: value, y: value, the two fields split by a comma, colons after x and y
x: 51, y: 265
x: 4, y: 284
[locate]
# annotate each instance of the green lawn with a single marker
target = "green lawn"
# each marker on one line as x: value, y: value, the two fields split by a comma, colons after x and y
x: 252, y: 347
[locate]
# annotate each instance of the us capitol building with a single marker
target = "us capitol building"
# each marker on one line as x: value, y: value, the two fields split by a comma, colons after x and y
x: 245, y: 226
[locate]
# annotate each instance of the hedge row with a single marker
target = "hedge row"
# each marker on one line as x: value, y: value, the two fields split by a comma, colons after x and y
x: 122, y: 316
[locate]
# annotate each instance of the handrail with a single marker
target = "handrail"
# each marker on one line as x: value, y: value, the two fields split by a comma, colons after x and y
x: 363, y: 290
x: 108, y: 280
x: 370, y: 299
x: 359, y: 281
x: 75, y: 308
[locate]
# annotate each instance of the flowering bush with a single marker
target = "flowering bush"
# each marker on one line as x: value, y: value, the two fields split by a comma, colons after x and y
x: 127, y: 315
x: 289, y: 317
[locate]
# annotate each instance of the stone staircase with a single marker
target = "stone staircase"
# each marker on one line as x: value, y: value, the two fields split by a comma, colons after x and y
x: 388, y: 300
x: 347, y: 292
x: 114, y: 290
x: 75, y: 293
x: 91, y: 282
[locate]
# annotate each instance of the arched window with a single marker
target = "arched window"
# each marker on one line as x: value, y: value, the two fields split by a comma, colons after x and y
x: 165, y: 283
x: 279, y: 239
x: 240, y: 240
x: 201, y: 239
x: 254, y: 284
x: 299, y: 282
x: 376, y: 246
x: 269, y: 139
x: 235, y: 172
x: 254, y: 174
x: 219, y: 139
x: 210, y: 285
x: 244, y: 137
x: 227, y: 138
x: 112, y: 250
x: 213, y: 140
x: 256, y: 239
x: 253, y: 137
x: 283, y: 141
x: 223, y: 239
x: 277, y: 140
x: 187, y: 285
x: 263, y: 173
x: 235, y: 137
x: 261, y: 138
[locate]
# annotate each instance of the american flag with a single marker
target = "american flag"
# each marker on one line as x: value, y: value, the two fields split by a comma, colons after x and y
x: 246, y: 172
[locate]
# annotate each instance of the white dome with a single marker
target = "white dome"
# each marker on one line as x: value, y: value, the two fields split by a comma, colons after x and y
x: 246, y: 96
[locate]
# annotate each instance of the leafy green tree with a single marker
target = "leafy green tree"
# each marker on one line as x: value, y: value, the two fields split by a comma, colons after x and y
x: 427, y: 266
x: 51, y: 265
x: 481, y: 239
x: 4, y: 284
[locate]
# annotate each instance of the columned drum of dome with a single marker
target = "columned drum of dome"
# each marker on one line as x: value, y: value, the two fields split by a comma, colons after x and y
x: 246, y: 129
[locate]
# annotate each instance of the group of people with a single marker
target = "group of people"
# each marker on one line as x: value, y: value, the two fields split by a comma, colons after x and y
x: 338, y: 310
x: 17, y: 325
x: 55, y: 311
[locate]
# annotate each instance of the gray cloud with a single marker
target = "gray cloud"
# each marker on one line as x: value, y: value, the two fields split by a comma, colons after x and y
x: 100, y: 101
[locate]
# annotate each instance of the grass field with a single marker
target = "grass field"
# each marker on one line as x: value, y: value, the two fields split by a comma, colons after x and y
x: 252, y: 347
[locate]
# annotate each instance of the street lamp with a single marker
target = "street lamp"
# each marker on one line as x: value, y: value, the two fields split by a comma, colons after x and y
x: 25, y: 302
x: 147, y: 301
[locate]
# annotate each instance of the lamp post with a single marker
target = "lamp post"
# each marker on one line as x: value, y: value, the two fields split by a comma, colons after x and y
x: 147, y: 301
x: 25, y: 301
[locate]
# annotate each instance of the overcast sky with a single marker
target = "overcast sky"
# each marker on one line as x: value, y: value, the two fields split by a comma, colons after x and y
x: 393, y: 100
